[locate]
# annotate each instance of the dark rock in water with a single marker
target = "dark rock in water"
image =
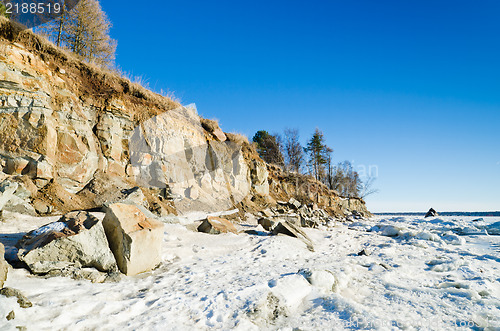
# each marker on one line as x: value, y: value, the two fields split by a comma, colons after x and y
x: 290, y: 229
x: 478, y: 220
x: 431, y: 213
x: 21, y: 298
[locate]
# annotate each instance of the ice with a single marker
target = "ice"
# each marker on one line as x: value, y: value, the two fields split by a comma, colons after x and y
x: 417, y: 274
x: 56, y: 227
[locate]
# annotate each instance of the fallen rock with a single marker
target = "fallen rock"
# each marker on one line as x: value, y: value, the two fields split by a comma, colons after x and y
x: 293, y: 203
x: 4, y: 267
x: 15, y: 197
x: 216, y: 225
x: 41, y: 207
x: 77, y: 239
x: 11, y: 316
x: 21, y: 298
x: 267, y: 213
x: 91, y: 274
x: 357, y: 215
x: 308, y: 222
x: 364, y: 252
x: 267, y: 224
x: 135, y: 240
x: 292, y: 218
x: 431, y: 213
x: 290, y: 229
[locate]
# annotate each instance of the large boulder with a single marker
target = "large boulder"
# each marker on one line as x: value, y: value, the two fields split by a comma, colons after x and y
x: 216, y: 225
x: 290, y: 229
x: 135, y: 240
x: 3, y: 266
x: 77, y: 239
x: 15, y: 197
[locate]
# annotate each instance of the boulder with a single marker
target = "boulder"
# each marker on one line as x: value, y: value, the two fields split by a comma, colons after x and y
x: 290, y: 229
x: 357, y: 215
x: 309, y: 222
x: 267, y: 223
x: 135, y: 240
x: 77, y: 239
x: 216, y: 225
x: 15, y: 197
x: 292, y: 218
x: 267, y: 212
x: 293, y: 203
x: 4, y: 267
x: 41, y: 207
x: 431, y: 213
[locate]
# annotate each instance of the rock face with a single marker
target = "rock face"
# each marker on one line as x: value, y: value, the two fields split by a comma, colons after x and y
x: 216, y: 225
x: 4, y: 267
x: 135, y: 240
x: 431, y: 213
x: 76, y: 240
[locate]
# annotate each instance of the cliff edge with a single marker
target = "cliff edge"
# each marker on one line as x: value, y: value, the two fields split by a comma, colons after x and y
x: 75, y: 137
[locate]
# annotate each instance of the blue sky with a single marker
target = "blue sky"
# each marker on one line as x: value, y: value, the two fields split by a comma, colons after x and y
x: 409, y: 87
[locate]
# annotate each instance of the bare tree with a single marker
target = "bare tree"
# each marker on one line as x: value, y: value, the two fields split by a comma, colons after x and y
x: 367, y: 187
x: 88, y: 33
x: 85, y: 31
x: 293, y: 150
x: 346, y: 180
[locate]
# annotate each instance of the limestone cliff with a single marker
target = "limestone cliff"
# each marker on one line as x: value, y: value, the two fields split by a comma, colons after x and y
x: 73, y: 137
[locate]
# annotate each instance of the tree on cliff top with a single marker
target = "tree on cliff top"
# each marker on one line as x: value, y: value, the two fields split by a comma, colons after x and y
x: 318, y: 154
x: 269, y: 147
x: 3, y: 10
x: 85, y: 31
x: 346, y: 181
x: 293, y: 150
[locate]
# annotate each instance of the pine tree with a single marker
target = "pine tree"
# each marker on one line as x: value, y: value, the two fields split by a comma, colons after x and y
x: 269, y: 147
x: 318, y: 151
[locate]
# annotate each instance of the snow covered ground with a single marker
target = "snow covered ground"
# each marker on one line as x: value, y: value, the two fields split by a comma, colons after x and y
x: 440, y: 273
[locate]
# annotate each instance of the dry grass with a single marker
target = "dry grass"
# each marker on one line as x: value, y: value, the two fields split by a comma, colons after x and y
x: 89, y: 81
x: 238, y: 138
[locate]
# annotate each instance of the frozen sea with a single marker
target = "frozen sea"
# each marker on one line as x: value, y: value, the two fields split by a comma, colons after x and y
x: 439, y: 273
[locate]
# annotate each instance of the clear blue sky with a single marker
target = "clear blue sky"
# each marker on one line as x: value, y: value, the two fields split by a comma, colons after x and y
x: 411, y: 87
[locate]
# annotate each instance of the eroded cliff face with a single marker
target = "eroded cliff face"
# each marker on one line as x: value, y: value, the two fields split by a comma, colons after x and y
x: 59, y: 139
x: 307, y: 190
x: 73, y: 137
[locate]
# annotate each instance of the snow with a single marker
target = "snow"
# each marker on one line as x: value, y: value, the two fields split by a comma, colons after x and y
x: 439, y: 273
